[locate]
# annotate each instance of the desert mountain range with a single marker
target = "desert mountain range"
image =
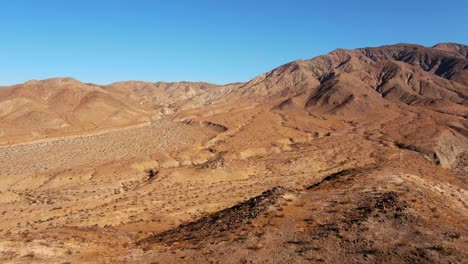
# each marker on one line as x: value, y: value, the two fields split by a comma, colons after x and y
x: 353, y: 156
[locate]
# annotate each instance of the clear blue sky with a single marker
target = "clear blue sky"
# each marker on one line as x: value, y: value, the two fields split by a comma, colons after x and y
x: 217, y: 41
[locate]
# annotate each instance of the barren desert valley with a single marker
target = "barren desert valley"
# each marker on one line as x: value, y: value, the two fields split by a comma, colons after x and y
x: 356, y: 156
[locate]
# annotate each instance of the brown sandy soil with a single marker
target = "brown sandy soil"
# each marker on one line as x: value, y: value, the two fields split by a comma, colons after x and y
x: 352, y: 157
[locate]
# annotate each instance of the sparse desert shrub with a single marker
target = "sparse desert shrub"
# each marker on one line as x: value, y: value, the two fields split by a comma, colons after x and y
x: 151, y: 173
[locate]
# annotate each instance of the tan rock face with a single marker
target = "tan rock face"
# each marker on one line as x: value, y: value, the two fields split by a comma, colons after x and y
x: 354, y: 156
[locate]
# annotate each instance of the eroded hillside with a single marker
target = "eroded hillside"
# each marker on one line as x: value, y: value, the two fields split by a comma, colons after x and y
x: 354, y: 156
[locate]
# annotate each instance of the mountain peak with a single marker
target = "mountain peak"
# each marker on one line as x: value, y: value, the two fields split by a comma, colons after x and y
x: 456, y: 49
x: 56, y: 80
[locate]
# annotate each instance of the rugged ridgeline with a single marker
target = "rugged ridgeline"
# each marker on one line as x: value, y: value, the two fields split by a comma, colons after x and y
x: 428, y: 84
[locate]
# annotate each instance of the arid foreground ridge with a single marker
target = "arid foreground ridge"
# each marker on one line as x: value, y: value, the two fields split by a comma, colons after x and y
x: 357, y: 156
